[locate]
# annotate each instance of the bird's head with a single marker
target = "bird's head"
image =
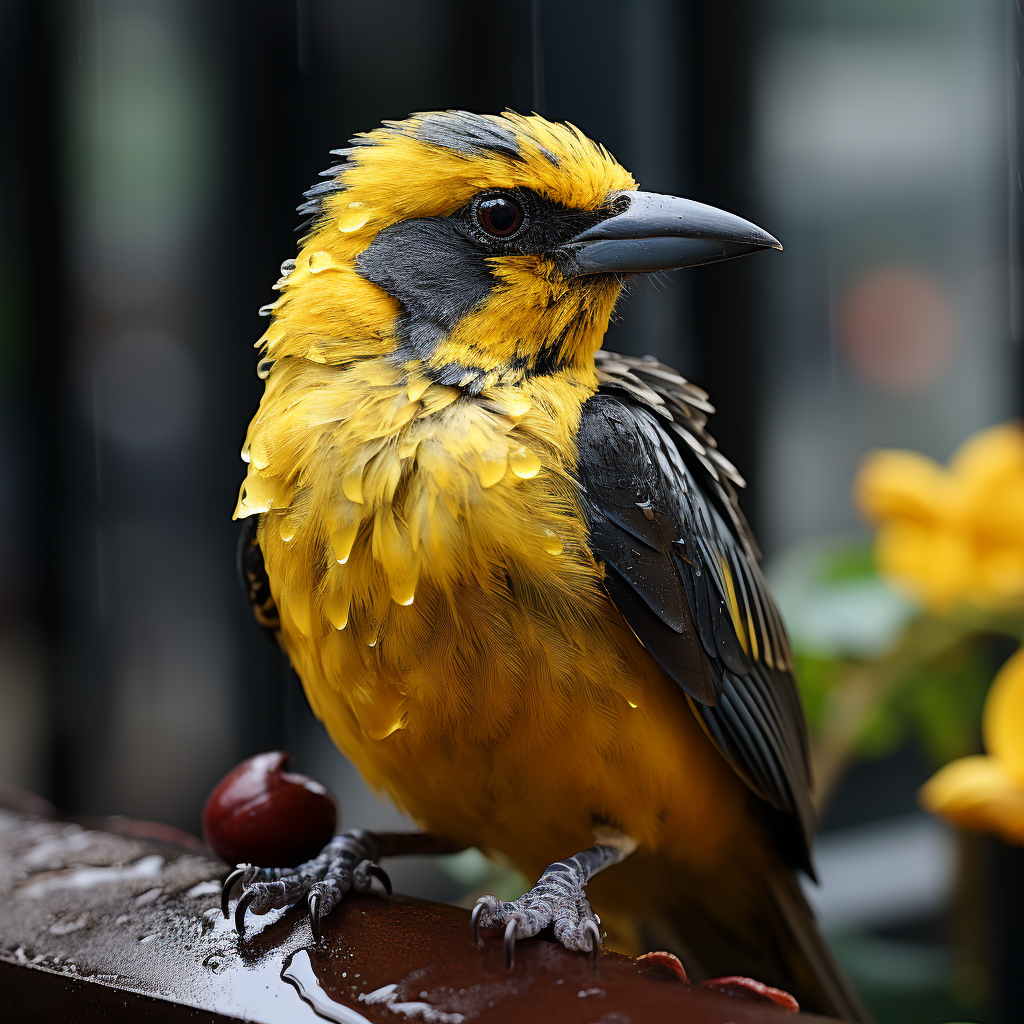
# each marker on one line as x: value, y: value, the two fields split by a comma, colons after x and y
x: 481, y: 247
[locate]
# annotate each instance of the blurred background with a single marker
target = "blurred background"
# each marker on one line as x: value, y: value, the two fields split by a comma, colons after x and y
x: 154, y: 152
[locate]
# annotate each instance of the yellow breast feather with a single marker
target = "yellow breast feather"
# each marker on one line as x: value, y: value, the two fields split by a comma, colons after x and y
x: 369, y: 495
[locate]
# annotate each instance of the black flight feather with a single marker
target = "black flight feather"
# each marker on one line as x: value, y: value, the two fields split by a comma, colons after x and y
x: 682, y: 568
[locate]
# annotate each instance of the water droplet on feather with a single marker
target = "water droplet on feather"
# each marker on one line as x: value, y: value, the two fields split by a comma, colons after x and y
x: 352, y: 484
x: 321, y: 261
x: 492, y: 470
x: 551, y: 543
x: 416, y: 388
x: 517, y: 404
x: 336, y: 608
x: 525, y: 464
x: 353, y: 218
x: 342, y: 540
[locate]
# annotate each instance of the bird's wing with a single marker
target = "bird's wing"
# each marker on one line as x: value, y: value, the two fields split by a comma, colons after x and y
x: 682, y: 568
x: 252, y: 575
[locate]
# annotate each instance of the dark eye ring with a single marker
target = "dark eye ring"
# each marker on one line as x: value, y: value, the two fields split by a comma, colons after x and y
x: 500, y: 216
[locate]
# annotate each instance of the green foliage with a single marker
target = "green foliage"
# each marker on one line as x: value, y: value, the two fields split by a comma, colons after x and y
x: 938, y: 702
x: 883, y: 730
x: 816, y: 675
x: 925, y: 676
x: 853, y: 560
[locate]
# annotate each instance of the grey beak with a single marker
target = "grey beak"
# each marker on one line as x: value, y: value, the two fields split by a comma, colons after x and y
x: 660, y: 232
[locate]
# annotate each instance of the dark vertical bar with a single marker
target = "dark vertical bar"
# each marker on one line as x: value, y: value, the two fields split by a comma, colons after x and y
x: 722, y: 47
x: 1015, y: 124
x: 478, y: 81
x: 35, y: 72
x: 619, y: 74
x: 1007, y: 940
x: 268, y: 49
x: 656, y: 308
x: 537, y: 46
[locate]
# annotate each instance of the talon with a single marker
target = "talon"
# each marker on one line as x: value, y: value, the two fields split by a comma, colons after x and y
x: 229, y: 883
x: 378, y: 872
x: 510, y: 943
x: 595, y: 940
x: 313, y: 901
x: 244, y: 901
x: 474, y: 922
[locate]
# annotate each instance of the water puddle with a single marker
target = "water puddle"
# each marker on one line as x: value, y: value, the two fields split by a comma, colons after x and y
x: 55, y: 849
x: 415, y: 1010
x: 67, y: 927
x: 86, y: 878
x: 204, y: 889
x: 299, y: 972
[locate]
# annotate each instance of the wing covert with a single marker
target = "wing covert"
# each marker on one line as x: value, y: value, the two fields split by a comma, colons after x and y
x: 682, y: 568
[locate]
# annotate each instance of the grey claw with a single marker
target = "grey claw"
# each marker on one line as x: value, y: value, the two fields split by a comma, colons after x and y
x: 474, y: 923
x: 510, y: 943
x: 378, y: 872
x: 313, y: 901
x: 229, y: 883
x: 243, y: 905
x: 595, y: 939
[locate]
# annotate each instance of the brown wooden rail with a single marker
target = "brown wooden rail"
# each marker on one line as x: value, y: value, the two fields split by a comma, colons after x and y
x: 97, y: 926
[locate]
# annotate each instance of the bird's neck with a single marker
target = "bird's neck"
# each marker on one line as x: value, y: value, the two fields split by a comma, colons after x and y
x: 530, y: 325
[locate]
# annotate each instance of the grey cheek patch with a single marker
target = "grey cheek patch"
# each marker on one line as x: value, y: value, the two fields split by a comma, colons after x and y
x: 433, y: 270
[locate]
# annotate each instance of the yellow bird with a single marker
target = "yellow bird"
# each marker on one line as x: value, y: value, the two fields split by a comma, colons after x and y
x: 510, y: 569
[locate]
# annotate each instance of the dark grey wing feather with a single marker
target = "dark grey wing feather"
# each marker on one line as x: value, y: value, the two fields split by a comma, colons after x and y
x: 682, y: 568
x: 252, y: 575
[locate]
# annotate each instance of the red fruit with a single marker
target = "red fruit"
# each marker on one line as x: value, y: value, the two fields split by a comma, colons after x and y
x: 260, y: 814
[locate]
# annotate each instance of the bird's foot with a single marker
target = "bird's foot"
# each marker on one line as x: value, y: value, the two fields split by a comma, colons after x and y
x: 557, y: 899
x: 348, y: 861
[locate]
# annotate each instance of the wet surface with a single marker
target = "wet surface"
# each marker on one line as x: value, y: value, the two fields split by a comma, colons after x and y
x: 375, y: 967
x: 107, y: 927
x: 140, y: 916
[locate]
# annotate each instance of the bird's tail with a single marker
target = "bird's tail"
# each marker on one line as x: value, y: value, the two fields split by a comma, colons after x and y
x: 809, y: 959
x: 731, y: 924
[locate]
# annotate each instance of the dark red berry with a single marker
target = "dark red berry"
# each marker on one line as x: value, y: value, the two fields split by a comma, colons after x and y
x: 261, y: 814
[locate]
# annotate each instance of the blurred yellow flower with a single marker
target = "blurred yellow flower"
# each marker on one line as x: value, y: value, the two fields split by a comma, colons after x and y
x: 986, y: 793
x: 952, y: 534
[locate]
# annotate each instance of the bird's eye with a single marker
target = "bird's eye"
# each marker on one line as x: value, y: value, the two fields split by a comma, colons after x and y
x: 499, y: 216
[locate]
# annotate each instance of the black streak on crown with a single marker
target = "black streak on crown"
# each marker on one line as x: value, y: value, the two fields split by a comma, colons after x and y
x: 467, y: 134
